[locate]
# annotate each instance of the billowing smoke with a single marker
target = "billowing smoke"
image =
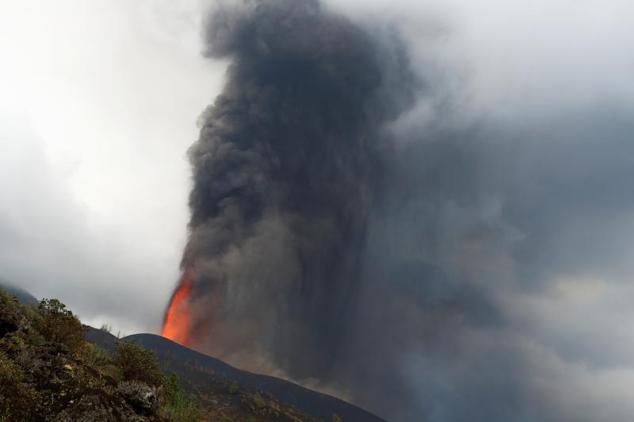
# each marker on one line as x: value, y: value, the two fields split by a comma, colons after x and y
x: 286, y: 170
x: 351, y: 231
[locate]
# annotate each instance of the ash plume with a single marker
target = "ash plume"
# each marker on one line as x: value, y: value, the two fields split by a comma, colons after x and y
x: 286, y: 170
x: 352, y: 231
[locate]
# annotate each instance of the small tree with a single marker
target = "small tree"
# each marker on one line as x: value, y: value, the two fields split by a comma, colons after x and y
x: 137, y: 363
x: 59, y: 325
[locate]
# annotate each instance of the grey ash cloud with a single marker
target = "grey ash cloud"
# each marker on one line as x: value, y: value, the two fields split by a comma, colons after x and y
x: 286, y: 169
x: 435, y: 269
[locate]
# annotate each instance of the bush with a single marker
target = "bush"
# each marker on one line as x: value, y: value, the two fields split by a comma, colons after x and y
x: 234, y: 388
x: 137, y: 363
x: 259, y: 400
x: 9, y: 313
x: 95, y: 356
x: 179, y: 407
x: 17, y: 396
x: 59, y: 325
x: 7, y: 298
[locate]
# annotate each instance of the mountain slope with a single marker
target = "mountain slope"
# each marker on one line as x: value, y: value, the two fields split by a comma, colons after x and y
x: 223, y: 389
x: 22, y: 295
x: 201, y: 373
x: 48, y: 372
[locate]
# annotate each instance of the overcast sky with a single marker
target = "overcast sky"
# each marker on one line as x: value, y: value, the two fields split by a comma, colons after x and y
x: 99, y: 102
x: 98, y: 107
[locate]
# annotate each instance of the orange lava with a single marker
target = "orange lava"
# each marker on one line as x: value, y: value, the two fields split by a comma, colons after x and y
x: 176, y: 323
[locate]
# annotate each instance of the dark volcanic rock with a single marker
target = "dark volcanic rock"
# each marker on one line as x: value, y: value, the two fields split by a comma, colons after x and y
x: 142, y: 397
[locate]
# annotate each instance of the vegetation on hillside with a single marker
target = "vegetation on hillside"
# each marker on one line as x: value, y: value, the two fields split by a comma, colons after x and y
x: 48, y: 372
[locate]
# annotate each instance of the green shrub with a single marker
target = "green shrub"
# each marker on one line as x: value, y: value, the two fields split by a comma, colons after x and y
x: 95, y: 356
x: 17, y: 397
x: 178, y: 406
x: 32, y: 314
x: 137, y: 363
x: 59, y: 325
x: 234, y: 388
x: 259, y: 400
x: 10, y: 314
x: 7, y: 298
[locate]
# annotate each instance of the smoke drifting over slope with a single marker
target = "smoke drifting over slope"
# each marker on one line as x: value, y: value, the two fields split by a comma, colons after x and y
x: 343, y: 239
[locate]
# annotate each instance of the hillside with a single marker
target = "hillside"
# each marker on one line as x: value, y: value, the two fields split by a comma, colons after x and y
x: 22, y: 295
x: 201, y: 372
x: 213, y: 381
x: 54, y: 369
x: 48, y: 372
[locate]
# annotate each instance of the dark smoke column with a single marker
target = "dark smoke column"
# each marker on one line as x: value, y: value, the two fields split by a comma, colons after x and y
x: 285, y: 172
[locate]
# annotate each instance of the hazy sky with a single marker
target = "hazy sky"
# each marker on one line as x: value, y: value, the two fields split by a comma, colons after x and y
x: 98, y: 107
x: 99, y: 102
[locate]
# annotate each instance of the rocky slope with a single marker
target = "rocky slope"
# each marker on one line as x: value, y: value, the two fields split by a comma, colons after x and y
x: 206, y: 377
x: 54, y: 369
x: 48, y: 372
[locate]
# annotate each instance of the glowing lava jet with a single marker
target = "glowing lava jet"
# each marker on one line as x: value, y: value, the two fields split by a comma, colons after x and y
x: 176, y: 323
